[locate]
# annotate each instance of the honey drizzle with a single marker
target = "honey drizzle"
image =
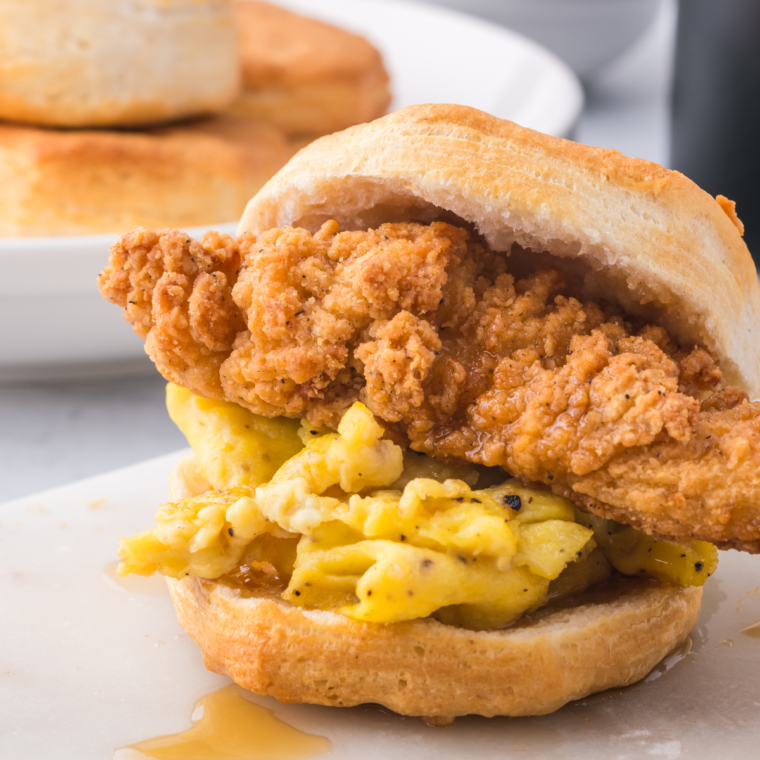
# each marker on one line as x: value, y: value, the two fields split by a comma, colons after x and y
x: 227, y: 726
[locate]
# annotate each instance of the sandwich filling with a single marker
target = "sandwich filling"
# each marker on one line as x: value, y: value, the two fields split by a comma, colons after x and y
x: 471, y: 356
x: 349, y: 522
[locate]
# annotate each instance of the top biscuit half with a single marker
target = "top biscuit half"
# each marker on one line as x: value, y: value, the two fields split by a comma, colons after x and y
x: 666, y: 250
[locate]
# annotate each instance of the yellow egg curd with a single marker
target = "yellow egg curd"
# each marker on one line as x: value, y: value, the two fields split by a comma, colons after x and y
x: 357, y: 526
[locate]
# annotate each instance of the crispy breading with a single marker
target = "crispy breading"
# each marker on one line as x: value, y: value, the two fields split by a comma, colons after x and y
x: 462, y: 361
x: 707, y: 487
x: 177, y: 295
x: 310, y: 301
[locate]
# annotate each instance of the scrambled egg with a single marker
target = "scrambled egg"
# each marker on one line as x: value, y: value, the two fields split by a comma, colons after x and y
x: 363, y: 529
x: 233, y: 446
x: 631, y: 552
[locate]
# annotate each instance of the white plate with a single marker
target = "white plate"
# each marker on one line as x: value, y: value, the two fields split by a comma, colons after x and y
x: 55, y: 323
x: 87, y: 667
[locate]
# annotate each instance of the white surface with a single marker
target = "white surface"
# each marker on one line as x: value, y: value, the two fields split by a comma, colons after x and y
x: 59, y: 324
x: 87, y: 667
x: 587, y: 34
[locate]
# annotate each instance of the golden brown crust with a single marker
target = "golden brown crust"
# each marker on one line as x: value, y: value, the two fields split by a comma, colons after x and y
x: 706, y: 488
x: 426, y: 668
x: 665, y: 248
x: 306, y: 76
x: 66, y: 183
x: 729, y: 207
x: 182, y: 287
x: 94, y: 63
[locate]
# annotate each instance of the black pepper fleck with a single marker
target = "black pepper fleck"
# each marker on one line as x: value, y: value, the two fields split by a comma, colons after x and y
x: 513, y: 502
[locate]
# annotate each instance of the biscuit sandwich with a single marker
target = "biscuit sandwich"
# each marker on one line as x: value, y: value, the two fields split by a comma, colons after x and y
x: 469, y: 418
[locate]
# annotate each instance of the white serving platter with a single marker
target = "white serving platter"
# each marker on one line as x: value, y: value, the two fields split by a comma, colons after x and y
x: 56, y: 325
x: 88, y: 668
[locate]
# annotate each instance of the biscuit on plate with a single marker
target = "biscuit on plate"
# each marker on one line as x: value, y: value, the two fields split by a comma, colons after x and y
x: 305, y: 76
x: 96, y: 181
x: 89, y: 63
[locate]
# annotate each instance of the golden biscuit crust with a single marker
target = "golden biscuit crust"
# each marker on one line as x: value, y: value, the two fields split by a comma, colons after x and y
x: 425, y: 668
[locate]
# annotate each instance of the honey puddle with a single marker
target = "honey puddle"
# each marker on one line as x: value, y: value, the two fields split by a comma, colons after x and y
x: 230, y: 727
x: 151, y: 585
x: 753, y: 631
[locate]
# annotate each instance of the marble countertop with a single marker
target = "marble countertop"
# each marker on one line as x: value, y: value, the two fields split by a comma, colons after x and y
x: 55, y: 433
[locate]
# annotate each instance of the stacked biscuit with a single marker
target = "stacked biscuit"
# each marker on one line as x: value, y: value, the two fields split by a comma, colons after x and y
x: 163, y: 112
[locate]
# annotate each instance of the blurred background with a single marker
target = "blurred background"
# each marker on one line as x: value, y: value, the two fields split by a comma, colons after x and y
x: 687, y: 75
x: 674, y: 85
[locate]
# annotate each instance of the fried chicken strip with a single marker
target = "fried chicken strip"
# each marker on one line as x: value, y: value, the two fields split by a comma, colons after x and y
x: 460, y: 360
